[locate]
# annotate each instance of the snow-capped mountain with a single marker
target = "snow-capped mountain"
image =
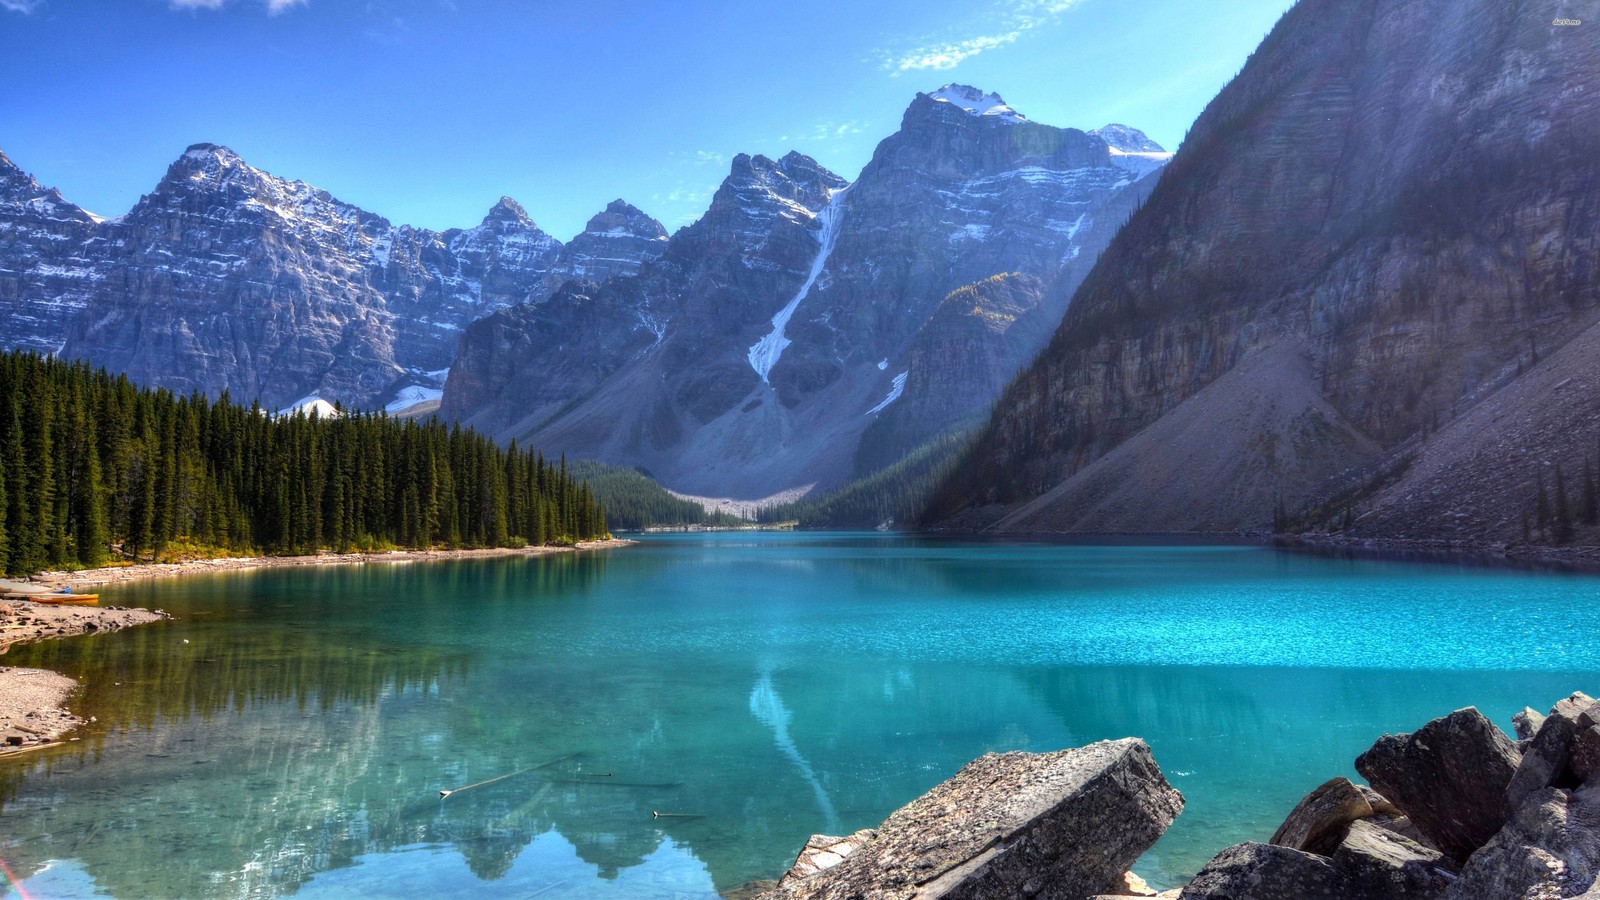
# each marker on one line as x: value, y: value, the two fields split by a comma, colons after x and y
x: 228, y: 278
x: 777, y: 330
x: 45, y: 272
x: 976, y: 102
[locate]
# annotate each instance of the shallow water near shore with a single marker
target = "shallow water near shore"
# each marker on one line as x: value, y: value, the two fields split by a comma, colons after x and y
x: 292, y: 729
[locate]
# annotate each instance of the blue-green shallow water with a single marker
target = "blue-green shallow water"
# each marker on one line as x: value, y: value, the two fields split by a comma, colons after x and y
x: 290, y: 731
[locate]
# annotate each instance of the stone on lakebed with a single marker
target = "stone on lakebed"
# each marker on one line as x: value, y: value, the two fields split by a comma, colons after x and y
x: 1044, y: 825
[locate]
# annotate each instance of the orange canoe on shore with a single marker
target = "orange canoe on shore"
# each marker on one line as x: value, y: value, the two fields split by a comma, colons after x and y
x: 66, y: 599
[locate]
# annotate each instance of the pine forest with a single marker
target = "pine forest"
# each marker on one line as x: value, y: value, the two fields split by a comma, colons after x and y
x: 93, y: 469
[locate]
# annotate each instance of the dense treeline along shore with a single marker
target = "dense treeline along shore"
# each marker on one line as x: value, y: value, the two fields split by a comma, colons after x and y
x: 93, y: 468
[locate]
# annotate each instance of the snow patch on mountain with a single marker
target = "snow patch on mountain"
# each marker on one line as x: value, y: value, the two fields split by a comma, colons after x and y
x: 410, y: 396
x: 894, y: 393
x: 977, y: 103
x: 310, y: 406
x: 764, y: 353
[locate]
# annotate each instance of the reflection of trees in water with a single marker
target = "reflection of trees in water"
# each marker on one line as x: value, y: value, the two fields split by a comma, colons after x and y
x: 261, y: 794
x: 149, y: 676
x: 295, y: 737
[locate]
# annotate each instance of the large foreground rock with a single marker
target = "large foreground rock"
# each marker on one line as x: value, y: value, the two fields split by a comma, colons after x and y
x: 1372, y: 862
x: 1051, y: 825
x: 1549, y: 849
x: 1450, y: 777
x: 1252, y: 871
x: 1546, y: 758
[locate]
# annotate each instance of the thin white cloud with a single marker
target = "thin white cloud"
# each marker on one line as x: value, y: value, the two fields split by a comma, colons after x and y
x: 274, y: 7
x: 948, y: 56
x: 709, y: 158
x: 830, y: 130
x: 1013, y: 18
x: 21, y: 6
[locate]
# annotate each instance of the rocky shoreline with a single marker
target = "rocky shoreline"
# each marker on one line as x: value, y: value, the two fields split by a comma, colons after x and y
x: 1456, y: 810
x: 1518, y: 555
x: 33, y: 709
x: 86, y: 578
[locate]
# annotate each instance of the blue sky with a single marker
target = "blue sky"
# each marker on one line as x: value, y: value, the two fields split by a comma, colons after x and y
x: 427, y: 111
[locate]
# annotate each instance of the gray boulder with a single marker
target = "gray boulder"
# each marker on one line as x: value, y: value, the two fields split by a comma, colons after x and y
x: 1252, y: 871
x: 1585, y: 761
x: 1320, y: 821
x: 1526, y: 723
x: 1379, y: 863
x: 1545, y: 758
x: 1450, y: 776
x: 823, y: 852
x: 1549, y: 849
x: 1046, y: 825
x: 1371, y: 863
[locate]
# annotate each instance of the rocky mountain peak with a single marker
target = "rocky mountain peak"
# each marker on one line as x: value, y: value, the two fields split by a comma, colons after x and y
x: 975, y: 102
x: 621, y: 217
x: 1127, y: 139
x: 508, y: 215
x: 199, y: 160
x: 758, y: 187
x: 28, y: 197
x: 11, y: 175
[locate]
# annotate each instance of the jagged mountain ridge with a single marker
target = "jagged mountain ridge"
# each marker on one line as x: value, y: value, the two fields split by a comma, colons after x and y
x: 776, y: 329
x: 227, y: 278
x: 1379, y: 224
x: 45, y: 274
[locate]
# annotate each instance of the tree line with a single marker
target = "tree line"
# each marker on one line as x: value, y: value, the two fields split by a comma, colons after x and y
x: 898, y: 494
x: 633, y: 501
x: 93, y: 469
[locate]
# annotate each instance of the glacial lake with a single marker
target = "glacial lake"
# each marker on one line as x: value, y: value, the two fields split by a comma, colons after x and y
x: 290, y: 731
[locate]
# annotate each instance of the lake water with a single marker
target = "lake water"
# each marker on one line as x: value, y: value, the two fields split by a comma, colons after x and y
x: 292, y: 729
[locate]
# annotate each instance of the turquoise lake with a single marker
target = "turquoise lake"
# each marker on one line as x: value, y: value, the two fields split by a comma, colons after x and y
x: 290, y: 731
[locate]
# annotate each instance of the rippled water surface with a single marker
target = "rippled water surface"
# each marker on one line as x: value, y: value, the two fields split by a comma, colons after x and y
x: 291, y: 730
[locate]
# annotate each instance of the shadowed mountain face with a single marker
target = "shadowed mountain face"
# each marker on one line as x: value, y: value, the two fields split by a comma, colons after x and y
x: 227, y: 278
x: 802, y: 311
x: 1385, y: 221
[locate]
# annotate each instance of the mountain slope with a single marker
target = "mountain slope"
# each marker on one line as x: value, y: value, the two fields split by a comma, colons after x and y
x: 776, y: 330
x: 1400, y: 187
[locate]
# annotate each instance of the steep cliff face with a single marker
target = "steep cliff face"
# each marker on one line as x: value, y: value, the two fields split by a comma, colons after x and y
x: 1397, y: 189
x: 980, y: 335
x: 966, y: 189
x: 46, y: 272
x: 781, y: 326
